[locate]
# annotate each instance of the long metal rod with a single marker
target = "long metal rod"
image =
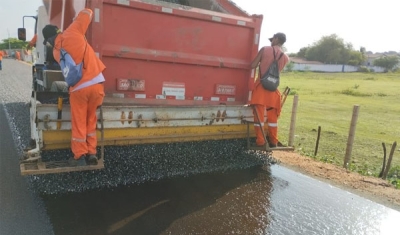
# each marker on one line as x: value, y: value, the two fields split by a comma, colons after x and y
x: 261, y: 127
x: 152, y: 120
x: 102, y: 134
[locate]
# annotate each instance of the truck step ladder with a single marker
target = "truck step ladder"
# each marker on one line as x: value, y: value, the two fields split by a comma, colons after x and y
x: 39, y: 167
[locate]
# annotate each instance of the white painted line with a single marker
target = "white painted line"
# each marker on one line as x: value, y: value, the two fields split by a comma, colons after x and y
x: 96, y: 15
x: 140, y: 96
x: 123, y: 2
x: 256, y: 39
x: 166, y: 10
x: 216, y: 18
x: 118, y: 95
x: 240, y: 22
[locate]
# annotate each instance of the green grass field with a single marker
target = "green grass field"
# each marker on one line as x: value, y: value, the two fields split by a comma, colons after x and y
x: 327, y: 100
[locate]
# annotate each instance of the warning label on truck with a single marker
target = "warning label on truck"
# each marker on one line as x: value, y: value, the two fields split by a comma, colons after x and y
x: 225, y: 89
x: 130, y: 85
x: 176, y: 89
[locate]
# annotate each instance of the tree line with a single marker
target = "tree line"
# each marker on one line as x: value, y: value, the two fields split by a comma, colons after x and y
x: 333, y: 50
x: 14, y: 44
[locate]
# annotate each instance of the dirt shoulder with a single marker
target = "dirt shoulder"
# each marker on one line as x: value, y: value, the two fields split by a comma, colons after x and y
x: 372, y: 188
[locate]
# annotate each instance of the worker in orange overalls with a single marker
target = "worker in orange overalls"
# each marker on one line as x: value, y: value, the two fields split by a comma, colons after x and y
x: 264, y: 100
x: 1, y: 59
x: 17, y: 55
x: 87, y: 95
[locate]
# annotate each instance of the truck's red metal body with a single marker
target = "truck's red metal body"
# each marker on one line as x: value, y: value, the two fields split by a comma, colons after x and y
x: 175, y: 73
x: 159, y: 53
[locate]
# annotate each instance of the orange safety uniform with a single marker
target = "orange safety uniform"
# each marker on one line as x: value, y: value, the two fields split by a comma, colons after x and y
x: 1, y: 58
x: 264, y: 100
x: 87, y: 95
x: 17, y: 55
x: 32, y: 43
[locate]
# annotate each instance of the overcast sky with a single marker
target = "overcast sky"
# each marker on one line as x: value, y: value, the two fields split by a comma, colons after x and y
x: 371, y: 24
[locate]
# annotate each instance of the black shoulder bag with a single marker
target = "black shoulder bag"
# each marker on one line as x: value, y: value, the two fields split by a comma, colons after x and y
x: 270, y: 80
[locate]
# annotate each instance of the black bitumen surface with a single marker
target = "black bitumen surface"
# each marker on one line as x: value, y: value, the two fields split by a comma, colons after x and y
x: 21, y: 211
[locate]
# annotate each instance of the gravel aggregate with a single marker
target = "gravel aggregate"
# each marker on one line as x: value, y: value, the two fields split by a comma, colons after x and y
x: 124, y: 165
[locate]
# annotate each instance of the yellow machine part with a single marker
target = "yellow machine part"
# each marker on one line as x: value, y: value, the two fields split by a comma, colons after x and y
x: 60, y: 139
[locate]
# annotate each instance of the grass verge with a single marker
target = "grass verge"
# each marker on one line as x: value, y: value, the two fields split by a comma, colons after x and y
x: 327, y: 100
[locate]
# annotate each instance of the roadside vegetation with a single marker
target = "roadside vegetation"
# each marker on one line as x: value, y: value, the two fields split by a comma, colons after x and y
x: 327, y: 100
x: 334, y: 50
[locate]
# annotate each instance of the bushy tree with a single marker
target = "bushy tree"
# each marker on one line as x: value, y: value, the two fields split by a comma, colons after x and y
x: 14, y: 44
x: 329, y: 50
x: 302, y: 53
x: 356, y: 58
x: 332, y: 50
x: 387, y: 62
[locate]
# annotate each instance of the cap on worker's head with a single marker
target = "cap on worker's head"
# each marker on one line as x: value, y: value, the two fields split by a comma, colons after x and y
x: 49, y: 31
x: 280, y: 36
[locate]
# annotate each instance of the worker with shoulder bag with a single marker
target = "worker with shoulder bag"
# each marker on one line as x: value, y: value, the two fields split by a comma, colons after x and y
x: 83, y: 73
x: 266, y: 96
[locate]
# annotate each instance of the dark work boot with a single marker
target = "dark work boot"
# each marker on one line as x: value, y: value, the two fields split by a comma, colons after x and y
x: 91, y: 159
x: 280, y: 144
x: 271, y: 145
x: 77, y: 162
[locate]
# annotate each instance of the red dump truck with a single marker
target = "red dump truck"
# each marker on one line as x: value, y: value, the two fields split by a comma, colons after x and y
x: 177, y: 70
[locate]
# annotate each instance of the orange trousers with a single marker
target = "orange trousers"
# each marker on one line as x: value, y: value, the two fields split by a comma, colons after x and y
x: 84, y: 103
x: 272, y: 124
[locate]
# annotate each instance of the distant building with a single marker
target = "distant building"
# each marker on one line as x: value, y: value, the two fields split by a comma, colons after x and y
x: 301, y: 64
x: 298, y: 60
x: 371, y: 57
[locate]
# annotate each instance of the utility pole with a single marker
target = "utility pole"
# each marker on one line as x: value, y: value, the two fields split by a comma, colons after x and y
x: 9, y: 45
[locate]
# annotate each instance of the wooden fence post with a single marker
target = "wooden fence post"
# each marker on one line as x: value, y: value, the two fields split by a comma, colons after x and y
x: 384, y: 160
x: 317, y: 143
x: 293, y: 120
x: 350, y: 139
x: 385, y: 173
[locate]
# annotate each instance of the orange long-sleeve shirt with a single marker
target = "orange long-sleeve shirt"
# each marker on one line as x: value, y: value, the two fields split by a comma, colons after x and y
x: 74, y: 42
x: 1, y: 55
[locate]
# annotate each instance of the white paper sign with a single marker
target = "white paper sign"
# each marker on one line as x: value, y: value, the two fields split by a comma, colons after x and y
x: 173, y: 89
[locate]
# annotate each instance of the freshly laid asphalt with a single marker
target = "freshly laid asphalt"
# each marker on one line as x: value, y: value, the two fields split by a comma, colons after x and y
x: 21, y: 210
